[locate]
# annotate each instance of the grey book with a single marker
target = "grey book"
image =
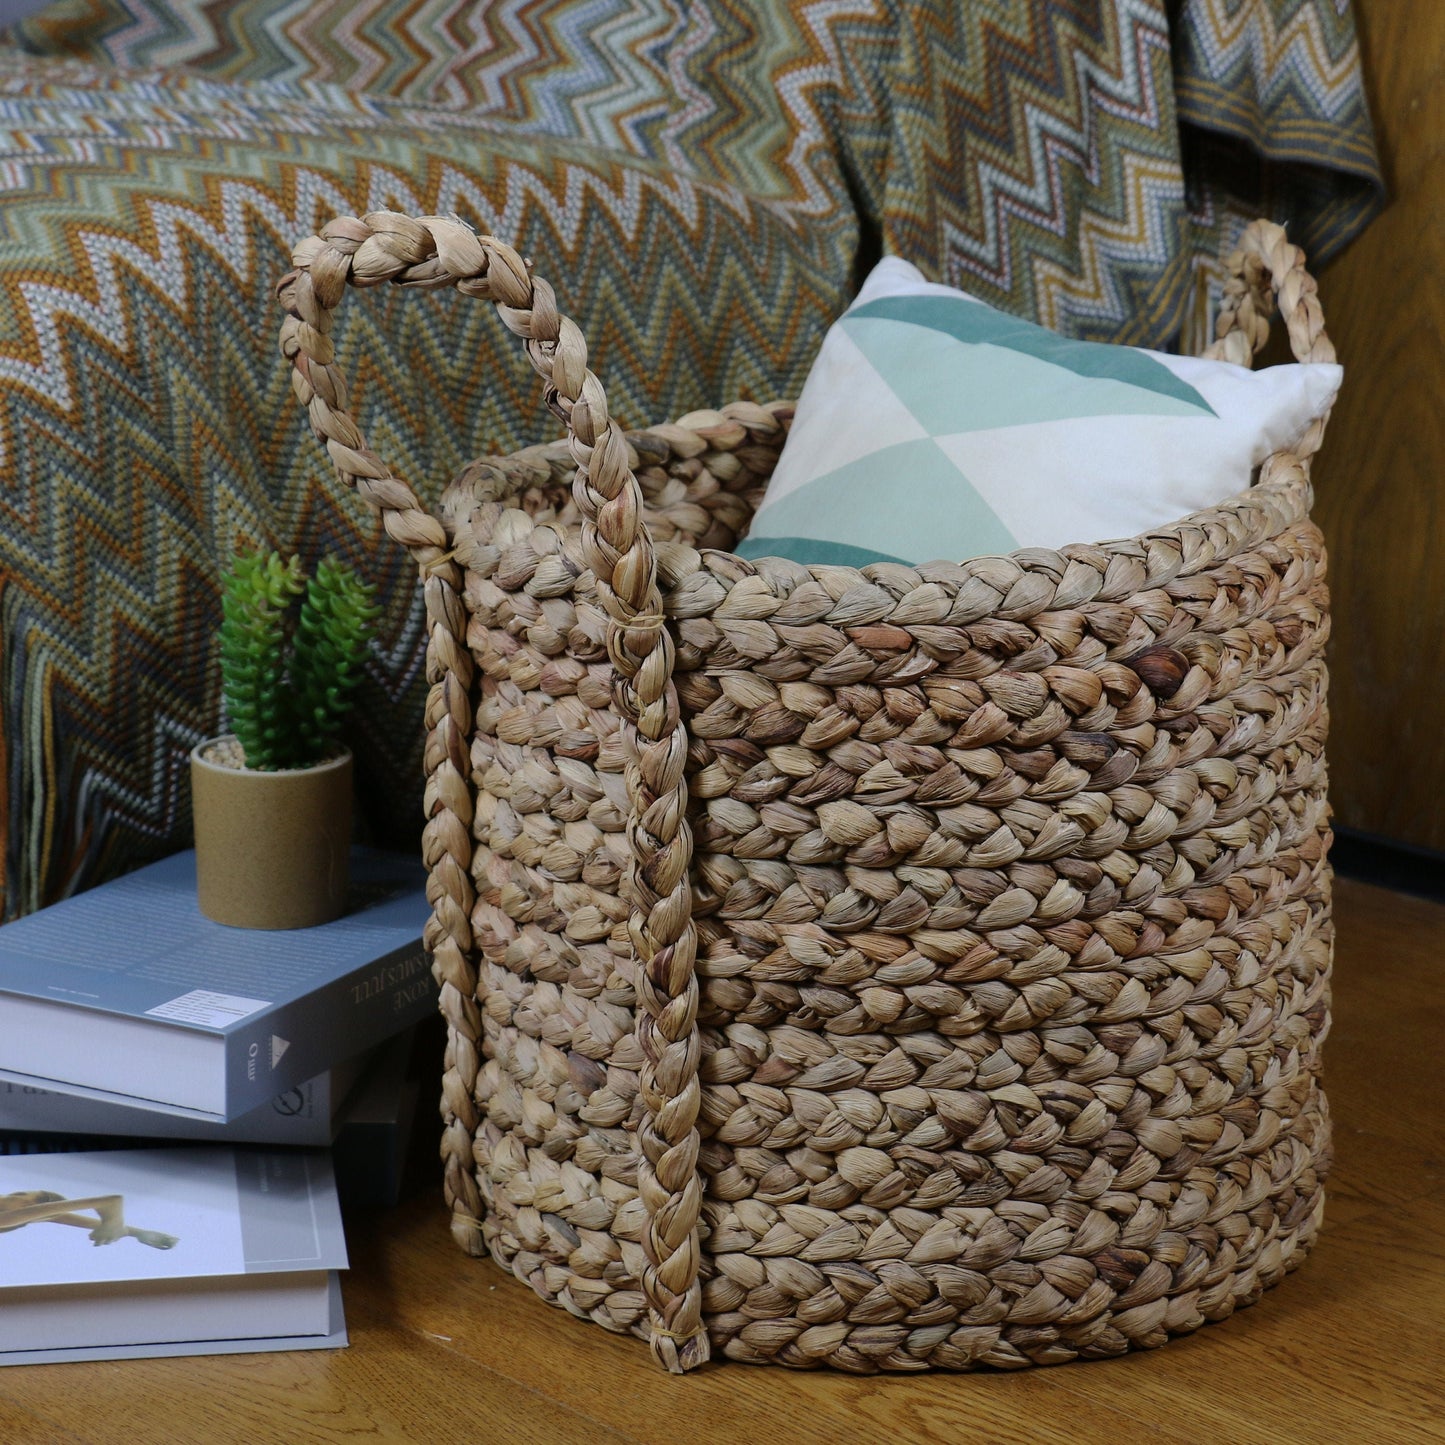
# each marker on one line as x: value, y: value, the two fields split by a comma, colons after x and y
x: 127, y: 994
x: 205, y: 1250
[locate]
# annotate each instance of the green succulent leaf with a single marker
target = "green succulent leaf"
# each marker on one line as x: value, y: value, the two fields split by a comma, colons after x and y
x: 288, y: 676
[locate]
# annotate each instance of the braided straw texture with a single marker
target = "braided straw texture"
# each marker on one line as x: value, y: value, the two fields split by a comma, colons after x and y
x: 1008, y: 888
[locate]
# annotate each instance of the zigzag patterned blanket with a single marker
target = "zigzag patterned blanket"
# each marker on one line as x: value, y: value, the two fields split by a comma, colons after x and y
x: 703, y: 182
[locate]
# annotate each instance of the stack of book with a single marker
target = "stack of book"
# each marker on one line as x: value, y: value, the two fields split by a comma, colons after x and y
x: 190, y: 1095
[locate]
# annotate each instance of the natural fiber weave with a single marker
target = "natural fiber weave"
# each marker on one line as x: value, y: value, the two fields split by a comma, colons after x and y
x: 906, y: 968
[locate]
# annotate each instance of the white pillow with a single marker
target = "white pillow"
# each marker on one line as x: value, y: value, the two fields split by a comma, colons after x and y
x: 934, y: 427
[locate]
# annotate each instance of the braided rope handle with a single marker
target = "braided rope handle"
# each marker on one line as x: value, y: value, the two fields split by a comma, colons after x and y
x: 1264, y: 270
x: 435, y: 252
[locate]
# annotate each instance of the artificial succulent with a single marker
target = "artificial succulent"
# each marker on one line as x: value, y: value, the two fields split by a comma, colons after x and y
x: 288, y: 673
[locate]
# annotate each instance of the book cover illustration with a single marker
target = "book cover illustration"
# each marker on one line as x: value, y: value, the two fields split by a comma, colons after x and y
x: 126, y: 1215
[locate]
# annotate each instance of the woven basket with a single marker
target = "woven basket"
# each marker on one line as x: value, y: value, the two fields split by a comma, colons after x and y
x: 883, y: 969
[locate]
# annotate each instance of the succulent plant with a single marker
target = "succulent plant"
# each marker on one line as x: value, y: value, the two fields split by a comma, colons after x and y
x: 288, y: 674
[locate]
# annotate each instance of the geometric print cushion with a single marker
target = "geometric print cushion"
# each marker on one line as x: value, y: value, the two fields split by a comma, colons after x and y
x: 932, y: 427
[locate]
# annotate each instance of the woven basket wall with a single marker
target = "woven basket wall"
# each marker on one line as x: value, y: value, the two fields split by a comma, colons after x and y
x: 906, y: 968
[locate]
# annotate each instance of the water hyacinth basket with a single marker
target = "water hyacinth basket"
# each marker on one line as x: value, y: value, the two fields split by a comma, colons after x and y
x: 890, y: 969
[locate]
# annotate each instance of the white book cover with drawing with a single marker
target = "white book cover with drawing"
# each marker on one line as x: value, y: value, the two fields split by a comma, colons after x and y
x: 167, y: 1251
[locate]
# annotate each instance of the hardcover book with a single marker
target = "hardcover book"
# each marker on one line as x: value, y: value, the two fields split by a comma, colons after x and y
x: 369, y: 1134
x: 309, y: 1114
x: 204, y: 1251
x: 127, y: 994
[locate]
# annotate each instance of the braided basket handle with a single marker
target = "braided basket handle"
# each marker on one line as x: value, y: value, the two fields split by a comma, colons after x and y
x: 435, y: 252
x: 1264, y: 270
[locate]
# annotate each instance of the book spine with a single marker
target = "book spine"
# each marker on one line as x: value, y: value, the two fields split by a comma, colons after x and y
x: 283, y: 1046
x: 300, y: 1116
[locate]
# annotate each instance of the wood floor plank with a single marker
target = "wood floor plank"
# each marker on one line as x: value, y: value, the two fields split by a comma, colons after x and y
x: 1380, y: 1058
x: 1391, y: 1262
x: 462, y: 1401
x: 1373, y: 1172
x: 1314, y: 1362
x: 389, y: 1386
x: 28, y: 1427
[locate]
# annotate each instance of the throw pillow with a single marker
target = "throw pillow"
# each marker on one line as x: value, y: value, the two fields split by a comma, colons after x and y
x: 933, y: 427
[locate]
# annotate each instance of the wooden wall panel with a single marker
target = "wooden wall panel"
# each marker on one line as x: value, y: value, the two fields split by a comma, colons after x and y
x: 1380, y: 481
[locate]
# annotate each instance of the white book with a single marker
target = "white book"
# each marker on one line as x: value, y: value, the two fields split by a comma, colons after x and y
x: 308, y: 1114
x: 118, y: 1253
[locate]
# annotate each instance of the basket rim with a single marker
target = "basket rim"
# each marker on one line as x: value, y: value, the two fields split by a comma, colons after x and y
x: 1014, y: 585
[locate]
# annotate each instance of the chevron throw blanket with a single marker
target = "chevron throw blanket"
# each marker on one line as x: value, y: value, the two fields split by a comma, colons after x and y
x: 704, y: 183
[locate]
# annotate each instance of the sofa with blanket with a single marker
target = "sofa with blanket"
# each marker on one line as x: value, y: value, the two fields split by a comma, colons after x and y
x: 705, y: 183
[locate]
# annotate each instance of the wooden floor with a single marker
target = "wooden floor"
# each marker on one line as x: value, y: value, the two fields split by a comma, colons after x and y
x: 448, y: 1350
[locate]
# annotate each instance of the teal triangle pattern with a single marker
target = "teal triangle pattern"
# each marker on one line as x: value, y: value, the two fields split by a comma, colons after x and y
x: 907, y: 502
x: 952, y: 387
x: 974, y: 324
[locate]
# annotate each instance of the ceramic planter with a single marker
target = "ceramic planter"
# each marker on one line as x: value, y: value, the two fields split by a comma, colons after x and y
x: 271, y: 847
